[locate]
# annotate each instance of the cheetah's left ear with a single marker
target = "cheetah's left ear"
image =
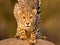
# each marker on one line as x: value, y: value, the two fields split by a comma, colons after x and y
x: 34, y: 11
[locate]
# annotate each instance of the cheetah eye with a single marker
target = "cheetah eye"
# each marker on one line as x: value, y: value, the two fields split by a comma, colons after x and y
x: 23, y: 17
x: 31, y: 17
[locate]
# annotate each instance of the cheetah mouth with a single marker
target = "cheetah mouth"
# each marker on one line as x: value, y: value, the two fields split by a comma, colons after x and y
x: 27, y: 26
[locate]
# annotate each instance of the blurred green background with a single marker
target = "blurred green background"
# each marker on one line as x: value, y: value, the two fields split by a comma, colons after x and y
x: 50, y: 19
x: 7, y: 20
x: 50, y: 24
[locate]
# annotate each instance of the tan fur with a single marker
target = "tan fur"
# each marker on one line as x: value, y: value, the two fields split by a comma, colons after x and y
x: 25, y: 14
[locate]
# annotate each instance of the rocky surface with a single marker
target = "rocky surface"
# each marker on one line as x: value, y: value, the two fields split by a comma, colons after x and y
x: 14, y: 41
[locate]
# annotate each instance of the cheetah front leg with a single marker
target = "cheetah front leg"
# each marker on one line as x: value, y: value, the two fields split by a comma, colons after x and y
x: 32, y: 38
x: 21, y: 34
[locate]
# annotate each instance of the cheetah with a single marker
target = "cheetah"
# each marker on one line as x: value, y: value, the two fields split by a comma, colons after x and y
x: 28, y: 19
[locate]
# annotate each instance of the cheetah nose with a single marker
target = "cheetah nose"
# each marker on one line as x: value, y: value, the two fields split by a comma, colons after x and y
x: 27, y: 23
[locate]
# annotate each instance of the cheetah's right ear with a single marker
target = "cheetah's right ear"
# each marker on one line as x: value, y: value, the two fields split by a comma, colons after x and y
x: 34, y: 11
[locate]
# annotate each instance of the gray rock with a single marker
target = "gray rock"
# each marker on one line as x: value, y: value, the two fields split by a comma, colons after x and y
x: 14, y: 41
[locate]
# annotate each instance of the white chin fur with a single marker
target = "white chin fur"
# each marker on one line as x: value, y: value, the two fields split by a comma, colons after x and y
x: 27, y: 27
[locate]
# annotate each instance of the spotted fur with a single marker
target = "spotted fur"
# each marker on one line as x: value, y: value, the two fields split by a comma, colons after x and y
x: 24, y: 5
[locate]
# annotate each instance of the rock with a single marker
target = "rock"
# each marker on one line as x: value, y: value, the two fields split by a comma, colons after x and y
x: 14, y: 41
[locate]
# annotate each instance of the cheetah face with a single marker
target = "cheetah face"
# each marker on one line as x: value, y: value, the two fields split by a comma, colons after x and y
x: 28, y: 19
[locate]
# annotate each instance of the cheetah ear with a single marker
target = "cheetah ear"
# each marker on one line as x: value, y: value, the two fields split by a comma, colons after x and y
x: 34, y: 11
